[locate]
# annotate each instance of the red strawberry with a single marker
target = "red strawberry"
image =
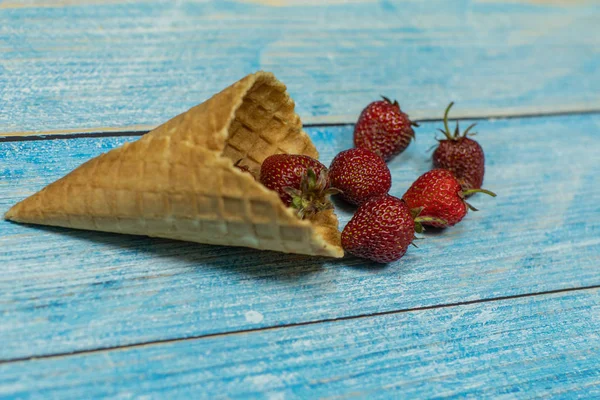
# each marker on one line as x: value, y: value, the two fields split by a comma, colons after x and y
x: 384, y: 129
x: 300, y: 181
x: 382, y: 229
x: 438, y: 194
x: 461, y: 155
x: 360, y: 174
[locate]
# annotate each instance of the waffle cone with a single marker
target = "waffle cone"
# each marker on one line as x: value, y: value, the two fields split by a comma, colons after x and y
x: 179, y: 181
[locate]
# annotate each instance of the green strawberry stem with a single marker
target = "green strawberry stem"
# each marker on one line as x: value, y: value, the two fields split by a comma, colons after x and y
x: 446, y: 130
x: 457, y: 135
x: 395, y: 102
x: 415, y: 212
x: 466, y: 132
x: 420, y: 220
x: 471, y: 207
x: 431, y: 219
x: 471, y: 191
x: 313, y: 195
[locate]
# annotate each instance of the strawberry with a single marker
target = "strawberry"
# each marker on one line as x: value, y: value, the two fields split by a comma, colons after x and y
x: 300, y: 181
x: 384, y: 129
x: 438, y: 194
x: 461, y: 155
x: 382, y: 229
x: 359, y: 174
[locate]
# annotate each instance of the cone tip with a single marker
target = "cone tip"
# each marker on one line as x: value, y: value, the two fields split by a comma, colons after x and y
x: 11, y: 214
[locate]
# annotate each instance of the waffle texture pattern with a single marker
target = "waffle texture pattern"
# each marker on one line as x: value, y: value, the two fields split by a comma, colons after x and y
x: 179, y: 181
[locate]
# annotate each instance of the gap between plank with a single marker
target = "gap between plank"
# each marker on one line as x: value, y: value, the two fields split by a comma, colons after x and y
x: 296, y: 324
x: 141, y: 130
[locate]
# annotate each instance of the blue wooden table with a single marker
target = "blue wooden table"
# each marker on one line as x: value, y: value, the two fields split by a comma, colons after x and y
x: 505, y: 304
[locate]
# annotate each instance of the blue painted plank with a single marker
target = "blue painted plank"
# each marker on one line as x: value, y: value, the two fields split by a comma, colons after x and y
x: 541, y: 346
x: 97, y: 66
x: 67, y: 290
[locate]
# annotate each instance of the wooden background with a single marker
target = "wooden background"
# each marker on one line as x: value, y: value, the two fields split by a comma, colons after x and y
x: 506, y: 304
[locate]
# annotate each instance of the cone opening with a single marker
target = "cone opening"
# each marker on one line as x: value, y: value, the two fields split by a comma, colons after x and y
x: 265, y: 123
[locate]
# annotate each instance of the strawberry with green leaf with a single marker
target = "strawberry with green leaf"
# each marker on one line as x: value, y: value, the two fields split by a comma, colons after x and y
x: 300, y: 181
x: 461, y: 155
x: 438, y: 195
x: 382, y: 229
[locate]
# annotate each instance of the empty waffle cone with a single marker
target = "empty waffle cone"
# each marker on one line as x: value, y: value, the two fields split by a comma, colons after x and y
x: 179, y: 181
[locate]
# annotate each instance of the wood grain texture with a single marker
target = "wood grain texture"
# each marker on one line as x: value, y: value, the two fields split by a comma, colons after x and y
x: 546, y: 346
x: 99, y: 66
x: 68, y: 290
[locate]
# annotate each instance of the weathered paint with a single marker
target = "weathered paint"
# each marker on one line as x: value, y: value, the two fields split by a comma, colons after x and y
x: 67, y: 290
x: 101, y: 65
x: 541, y: 346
